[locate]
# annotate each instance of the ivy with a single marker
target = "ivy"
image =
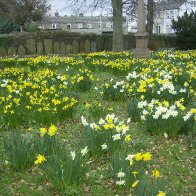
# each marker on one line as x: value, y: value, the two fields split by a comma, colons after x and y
x: 89, y: 36
x: 6, y: 41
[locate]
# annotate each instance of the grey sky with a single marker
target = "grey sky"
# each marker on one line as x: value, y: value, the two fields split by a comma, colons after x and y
x: 61, y: 6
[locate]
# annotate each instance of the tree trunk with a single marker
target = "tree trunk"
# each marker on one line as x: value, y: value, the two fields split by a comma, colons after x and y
x: 117, y: 45
x: 150, y: 18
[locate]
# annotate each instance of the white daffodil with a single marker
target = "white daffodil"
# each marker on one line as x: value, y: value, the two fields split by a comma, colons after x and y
x: 143, y: 117
x: 120, y: 174
x: 116, y: 137
x: 128, y: 120
x: 120, y: 182
x: 101, y: 121
x: 104, y: 147
x: 130, y: 157
x: 84, y: 151
x: 73, y: 155
x: 187, y: 116
x: 93, y: 126
x: 84, y: 122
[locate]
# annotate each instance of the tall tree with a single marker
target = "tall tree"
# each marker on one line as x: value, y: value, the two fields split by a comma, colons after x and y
x: 7, y: 25
x: 22, y: 11
x: 117, y: 6
x: 150, y: 17
x: 117, y: 12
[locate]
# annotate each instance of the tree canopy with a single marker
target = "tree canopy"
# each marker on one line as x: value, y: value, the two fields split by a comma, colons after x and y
x: 22, y: 11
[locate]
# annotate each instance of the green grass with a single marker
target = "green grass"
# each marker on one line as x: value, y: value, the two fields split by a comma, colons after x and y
x: 174, y: 157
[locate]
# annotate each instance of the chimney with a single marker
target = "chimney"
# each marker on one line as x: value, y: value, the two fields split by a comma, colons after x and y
x: 56, y: 14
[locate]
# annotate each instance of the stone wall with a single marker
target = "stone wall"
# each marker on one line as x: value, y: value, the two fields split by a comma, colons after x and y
x: 64, y: 43
x: 60, y: 43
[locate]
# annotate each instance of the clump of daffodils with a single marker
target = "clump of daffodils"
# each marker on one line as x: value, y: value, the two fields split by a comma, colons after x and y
x: 164, y: 116
x: 115, y: 90
x: 106, y: 135
x: 139, y: 157
x: 110, y: 122
x: 134, y: 170
x: 37, y: 93
x: 158, y: 109
x: 50, y: 131
x: 83, y: 80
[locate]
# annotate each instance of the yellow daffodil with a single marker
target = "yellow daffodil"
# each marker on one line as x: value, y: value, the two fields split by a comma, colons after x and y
x: 147, y: 156
x: 43, y: 131
x: 128, y: 138
x: 161, y: 193
x: 40, y: 159
x: 135, y: 184
x: 51, y: 131
x: 138, y: 156
x: 155, y: 173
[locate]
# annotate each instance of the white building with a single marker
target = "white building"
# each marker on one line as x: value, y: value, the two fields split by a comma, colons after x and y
x: 167, y: 10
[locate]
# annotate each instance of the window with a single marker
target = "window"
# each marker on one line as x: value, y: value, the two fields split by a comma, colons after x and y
x: 167, y: 14
x: 168, y: 28
x: 158, y: 29
x: 68, y: 26
x: 54, y: 26
x: 80, y: 25
x: 108, y: 25
x: 89, y: 25
x: 171, y: 29
x: 41, y: 26
x: 171, y: 14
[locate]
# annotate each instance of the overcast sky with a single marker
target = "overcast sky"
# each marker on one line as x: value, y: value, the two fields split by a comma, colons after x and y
x: 62, y: 7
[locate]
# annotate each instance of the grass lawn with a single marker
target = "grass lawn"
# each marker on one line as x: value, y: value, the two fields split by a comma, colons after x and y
x: 89, y: 83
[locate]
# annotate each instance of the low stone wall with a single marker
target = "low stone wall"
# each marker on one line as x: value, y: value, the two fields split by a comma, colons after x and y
x: 64, y: 43
x: 58, y: 43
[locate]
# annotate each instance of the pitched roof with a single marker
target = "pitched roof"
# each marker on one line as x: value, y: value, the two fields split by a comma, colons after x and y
x: 77, y: 19
x: 170, y: 4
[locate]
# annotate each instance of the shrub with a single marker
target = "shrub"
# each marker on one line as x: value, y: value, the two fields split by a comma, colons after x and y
x: 185, y: 29
x: 7, y: 26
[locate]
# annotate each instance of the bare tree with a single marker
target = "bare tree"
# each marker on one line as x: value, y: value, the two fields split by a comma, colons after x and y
x: 130, y: 8
x: 117, y: 11
x: 79, y: 6
x: 119, y: 8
